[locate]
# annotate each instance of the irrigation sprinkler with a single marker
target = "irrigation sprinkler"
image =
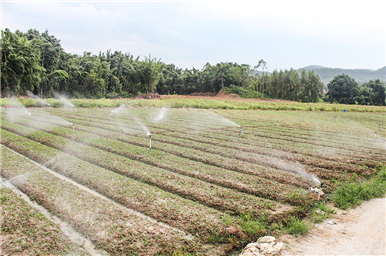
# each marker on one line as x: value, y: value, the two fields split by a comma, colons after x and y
x: 277, y: 123
x: 75, y: 109
x: 150, y: 142
x: 379, y: 127
x: 30, y: 115
x: 240, y: 131
x: 334, y: 119
x: 302, y: 118
x: 110, y: 113
x: 73, y: 127
x: 375, y: 135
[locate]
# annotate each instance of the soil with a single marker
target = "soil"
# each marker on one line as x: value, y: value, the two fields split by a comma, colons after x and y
x: 359, y: 231
x: 221, y: 96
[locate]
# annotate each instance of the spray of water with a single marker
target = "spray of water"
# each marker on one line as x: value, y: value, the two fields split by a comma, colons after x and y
x: 161, y: 115
x: 119, y: 110
x: 40, y: 101
x: 65, y: 102
x: 16, y: 110
x: 297, y: 168
x: 220, y: 120
x: 144, y: 128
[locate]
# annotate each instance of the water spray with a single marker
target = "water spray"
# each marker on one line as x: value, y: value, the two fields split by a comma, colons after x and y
x: 240, y: 131
x: 150, y: 142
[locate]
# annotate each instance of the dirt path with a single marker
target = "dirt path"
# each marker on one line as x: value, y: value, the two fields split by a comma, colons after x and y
x: 360, y: 231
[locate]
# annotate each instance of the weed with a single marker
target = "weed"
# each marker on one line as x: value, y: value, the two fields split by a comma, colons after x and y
x: 297, y: 227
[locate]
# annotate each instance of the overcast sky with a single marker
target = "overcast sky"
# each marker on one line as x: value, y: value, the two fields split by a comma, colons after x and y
x: 286, y: 34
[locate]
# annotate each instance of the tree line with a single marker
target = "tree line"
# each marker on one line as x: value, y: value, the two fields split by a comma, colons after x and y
x: 36, y: 62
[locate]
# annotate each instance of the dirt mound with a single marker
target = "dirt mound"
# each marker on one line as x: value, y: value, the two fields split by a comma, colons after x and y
x: 148, y: 96
x: 228, y: 96
x: 211, y: 94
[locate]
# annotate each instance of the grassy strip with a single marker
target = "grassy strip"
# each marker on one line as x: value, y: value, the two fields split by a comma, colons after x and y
x: 262, y: 139
x: 206, y: 104
x: 352, y: 194
x: 178, y: 212
x: 113, y: 228
x: 214, y: 196
x: 26, y: 231
x: 228, y: 198
x: 335, y: 142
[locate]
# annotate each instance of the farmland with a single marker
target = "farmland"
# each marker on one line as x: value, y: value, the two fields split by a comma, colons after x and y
x: 202, y: 189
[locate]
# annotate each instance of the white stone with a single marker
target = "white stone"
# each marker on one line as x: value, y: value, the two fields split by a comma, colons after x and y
x: 266, y: 239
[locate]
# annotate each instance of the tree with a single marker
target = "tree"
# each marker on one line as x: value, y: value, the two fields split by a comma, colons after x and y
x: 263, y: 65
x: 20, y: 69
x: 342, y: 89
x: 378, y: 91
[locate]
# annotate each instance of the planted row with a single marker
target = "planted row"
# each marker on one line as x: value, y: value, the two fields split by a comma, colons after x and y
x: 113, y: 228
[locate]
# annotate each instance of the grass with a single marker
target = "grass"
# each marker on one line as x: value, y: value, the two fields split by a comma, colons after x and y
x: 298, y: 227
x: 201, y: 176
x: 203, y: 104
x: 354, y: 193
x: 26, y: 231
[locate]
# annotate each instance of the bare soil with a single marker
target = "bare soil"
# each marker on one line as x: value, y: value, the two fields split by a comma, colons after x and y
x: 359, y: 231
x: 221, y: 96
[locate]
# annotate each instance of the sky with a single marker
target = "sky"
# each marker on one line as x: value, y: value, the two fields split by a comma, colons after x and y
x: 286, y: 34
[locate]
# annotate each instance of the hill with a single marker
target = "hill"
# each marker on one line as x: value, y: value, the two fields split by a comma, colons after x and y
x: 360, y: 75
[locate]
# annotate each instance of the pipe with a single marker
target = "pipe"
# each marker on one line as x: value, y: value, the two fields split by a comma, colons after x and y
x: 240, y: 131
x: 150, y: 142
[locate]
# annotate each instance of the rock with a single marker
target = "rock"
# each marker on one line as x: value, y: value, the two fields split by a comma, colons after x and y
x: 271, y: 251
x: 232, y: 229
x: 276, y: 232
x: 264, y: 246
x: 266, y: 239
x: 278, y: 246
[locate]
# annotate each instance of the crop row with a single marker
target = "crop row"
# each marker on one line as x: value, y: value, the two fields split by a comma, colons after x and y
x: 219, y: 197
x: 27, y: 231
x: 114, y: 228
x: 224, y: 147
x: 307, y: 143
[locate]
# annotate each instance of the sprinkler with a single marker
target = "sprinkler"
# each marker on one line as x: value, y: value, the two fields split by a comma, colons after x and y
x: 240, y: 131
x: 75, y: 109
x: 379, y: 127
x: 277, y: 123
x: 321, y: 184
x: 334, y: 119
x: 375, y: 135
x: 111, y: 112
x: 150, y: 142
x: 73, y: 126
x: 302, y: 119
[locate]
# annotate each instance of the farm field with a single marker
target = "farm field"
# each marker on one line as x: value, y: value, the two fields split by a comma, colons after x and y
x: 208, y: 186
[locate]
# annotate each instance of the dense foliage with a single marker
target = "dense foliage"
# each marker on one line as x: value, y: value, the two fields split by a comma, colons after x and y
x: 36, y: 62
x: 344, y: 89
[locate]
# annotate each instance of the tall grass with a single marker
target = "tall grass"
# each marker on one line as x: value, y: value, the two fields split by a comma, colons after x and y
x: 203, y: 103
x: 353, y: 194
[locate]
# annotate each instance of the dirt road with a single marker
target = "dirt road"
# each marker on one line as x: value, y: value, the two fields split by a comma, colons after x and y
x: 360, y: 231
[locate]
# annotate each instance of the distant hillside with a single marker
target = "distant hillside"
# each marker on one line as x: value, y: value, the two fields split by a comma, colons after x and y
x: 360, y: 75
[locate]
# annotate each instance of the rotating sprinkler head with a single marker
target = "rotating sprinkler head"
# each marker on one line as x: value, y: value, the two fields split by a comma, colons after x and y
x: 321, y: 184
x: 240, y: 131
x: 30, y: 115
x: 73, y: 127
x: 111, y: 112
x: 150, y: 142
